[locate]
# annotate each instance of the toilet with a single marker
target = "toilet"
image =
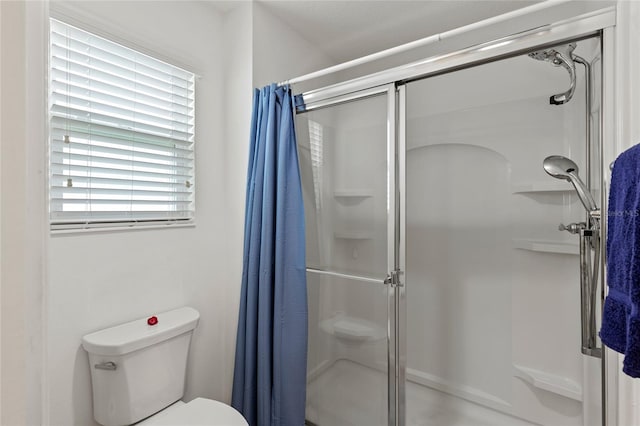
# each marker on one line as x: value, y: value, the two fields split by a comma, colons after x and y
x: 138, y: 374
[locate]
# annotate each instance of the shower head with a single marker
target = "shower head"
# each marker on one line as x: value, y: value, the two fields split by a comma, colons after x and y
x: 559, y: 167
x: 563, y: 168
x: 560, y: 56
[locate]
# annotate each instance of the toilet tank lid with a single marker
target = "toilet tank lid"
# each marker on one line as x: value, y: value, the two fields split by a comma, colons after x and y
x: 138, y: 334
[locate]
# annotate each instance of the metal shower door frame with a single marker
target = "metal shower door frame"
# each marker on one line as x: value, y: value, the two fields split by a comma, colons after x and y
x: 400, y: 296
x: 392, y: 81
x: 395, y: 225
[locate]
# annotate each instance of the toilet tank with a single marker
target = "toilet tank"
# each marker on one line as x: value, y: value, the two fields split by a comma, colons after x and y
x: 138, y: 369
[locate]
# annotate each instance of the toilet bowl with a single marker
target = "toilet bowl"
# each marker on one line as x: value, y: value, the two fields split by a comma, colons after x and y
x: 138, y: 372
x: 199, y: 412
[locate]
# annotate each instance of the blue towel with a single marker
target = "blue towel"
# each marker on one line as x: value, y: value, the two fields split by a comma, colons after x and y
x: 620, y: 318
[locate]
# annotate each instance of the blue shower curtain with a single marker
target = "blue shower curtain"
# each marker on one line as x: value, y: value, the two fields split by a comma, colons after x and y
x: 269, y: 383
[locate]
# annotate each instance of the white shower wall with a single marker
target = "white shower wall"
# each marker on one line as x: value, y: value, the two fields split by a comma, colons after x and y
x: 492, y: 285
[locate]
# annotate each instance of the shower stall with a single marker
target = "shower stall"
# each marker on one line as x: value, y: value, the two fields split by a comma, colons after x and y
x: 443, y: 286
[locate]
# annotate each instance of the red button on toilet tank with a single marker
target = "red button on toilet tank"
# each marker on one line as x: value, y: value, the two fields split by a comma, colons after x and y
x: 152, y: 320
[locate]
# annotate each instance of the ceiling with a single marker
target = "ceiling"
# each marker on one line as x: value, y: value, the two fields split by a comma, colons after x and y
x: 346, y: 29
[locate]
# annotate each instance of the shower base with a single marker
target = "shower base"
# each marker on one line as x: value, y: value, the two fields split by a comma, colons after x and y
x: 350, y: 394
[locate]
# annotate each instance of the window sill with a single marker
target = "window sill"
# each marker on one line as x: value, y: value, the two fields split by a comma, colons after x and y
x: 114, y: 228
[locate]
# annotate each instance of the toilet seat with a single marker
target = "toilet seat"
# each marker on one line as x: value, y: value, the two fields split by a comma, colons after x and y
x: 199, y: 412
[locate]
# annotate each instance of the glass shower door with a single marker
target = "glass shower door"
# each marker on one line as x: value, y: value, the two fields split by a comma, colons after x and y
x: 346, y: 159
x: 492, y: 278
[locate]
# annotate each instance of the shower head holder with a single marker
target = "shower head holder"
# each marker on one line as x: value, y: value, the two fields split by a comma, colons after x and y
x: 560, y: 56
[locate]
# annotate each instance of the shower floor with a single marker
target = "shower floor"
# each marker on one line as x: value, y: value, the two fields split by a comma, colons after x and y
x: 350, y: 394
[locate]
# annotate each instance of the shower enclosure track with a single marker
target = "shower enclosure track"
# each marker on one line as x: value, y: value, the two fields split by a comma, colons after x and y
x: 425, y: 41
x: 575, y: 29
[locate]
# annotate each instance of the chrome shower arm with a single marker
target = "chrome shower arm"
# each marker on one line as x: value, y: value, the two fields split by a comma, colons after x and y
x: 560, y: 56
x: 564, y: 58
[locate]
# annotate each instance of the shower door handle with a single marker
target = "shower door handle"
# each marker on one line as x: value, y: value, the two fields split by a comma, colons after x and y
x: 588, y: 286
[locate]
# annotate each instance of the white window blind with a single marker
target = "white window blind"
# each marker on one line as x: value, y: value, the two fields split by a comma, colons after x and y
x: 122, y: 135
x: 316, y: 141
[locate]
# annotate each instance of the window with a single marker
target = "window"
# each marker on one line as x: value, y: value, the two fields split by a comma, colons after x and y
x: 121, y: 135
x: 316, y: 139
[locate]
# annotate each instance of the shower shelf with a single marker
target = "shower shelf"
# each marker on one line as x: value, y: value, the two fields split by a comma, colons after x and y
x: 353, y: 235
x: 545, y: 246
x: 353, y: 329
x: 541, y: 187
x: 352, y: 193
x: 549, y: 382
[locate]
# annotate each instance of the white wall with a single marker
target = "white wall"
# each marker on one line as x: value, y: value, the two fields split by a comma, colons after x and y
x: 12, y: 69
x: 22, y: 201
x: 101, y: 279
x: 238, y: 39
x: 97, y: 280
x: 280, y: 53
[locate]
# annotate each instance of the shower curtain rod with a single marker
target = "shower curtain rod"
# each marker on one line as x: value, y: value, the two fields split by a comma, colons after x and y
x: 424, y: 41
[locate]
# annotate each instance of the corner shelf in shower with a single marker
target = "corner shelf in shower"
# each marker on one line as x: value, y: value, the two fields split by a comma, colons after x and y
x: 549, y: 382
x: 353, y: 235
x: 352, y: 329
x: 546, y: 246
x: 541, y: 187
x: 352, y: 193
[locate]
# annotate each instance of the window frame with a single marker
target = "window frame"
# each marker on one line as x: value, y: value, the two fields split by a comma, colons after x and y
x: 124, y: 221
